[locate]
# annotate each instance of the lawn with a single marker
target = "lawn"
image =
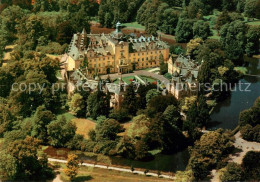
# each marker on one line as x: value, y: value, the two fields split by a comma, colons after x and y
x: 257, y: 22
x: 84, y: 126
x: 99, y: 175
x: 127, y: 79
x: 134, y: 25
x: 149, y: 79
x: 67, y: 115
x: 242, y: 70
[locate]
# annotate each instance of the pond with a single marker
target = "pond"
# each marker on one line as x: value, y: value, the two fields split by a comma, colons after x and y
x: 166, y: 163
x: 226, y: 113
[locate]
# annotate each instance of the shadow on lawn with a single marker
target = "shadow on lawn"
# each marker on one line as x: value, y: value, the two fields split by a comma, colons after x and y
x: 82, y: 178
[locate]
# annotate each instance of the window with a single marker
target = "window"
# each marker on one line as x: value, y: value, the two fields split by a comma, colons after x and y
x: 146, y: 58
x: 138, y: 59
x: 142, y: 59
x: 151, y: 52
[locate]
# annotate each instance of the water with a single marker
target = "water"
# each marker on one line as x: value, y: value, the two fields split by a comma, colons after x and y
x: 166, y: 163
x: 226, y: 113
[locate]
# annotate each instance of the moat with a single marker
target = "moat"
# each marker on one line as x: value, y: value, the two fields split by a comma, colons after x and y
x: 225, y: 115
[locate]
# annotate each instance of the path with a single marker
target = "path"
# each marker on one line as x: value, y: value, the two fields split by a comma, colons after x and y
x: 245, y: 147
x: 154, y: 70
x: 139, y: 72
x: 114, y: 168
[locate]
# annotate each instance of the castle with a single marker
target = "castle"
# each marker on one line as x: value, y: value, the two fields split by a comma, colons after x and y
x: 103, y: 54
x: 184, y: 73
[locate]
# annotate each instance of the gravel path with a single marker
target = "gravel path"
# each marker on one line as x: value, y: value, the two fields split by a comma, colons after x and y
x: 245, y: 147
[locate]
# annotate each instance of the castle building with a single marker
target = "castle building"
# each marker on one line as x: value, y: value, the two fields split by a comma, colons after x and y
x: 114, y: 53
x: 184, y: 73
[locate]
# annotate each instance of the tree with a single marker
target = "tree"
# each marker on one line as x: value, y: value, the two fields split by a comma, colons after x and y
x: 126, y: 148
x: 251, y: 165
x: 98, y: 104
x: 233, y: 39
x: 199, y: 112
x: 72, y: 166
x: 141, y: 150
x: 130, y: 100
x: 23, y: 161
x: 193, y: 46
x: 139, y: 128
x: 201, y: 29
x: 77, y: 105
x: 121, y: 115
x: 251, y: 8
x: 41, y: 119
x: 182, y: 176
x: 6, y: 117
x: 202, y: 159
x: 159, y: 104
x: 172, y: 116
x: 232, y: 172
x: 26, y: 100
x: 184, y: 30
x: 60, y: 132
x: 252, y: 45
x: 151, y: 94
x: 222, y: 19
x: 108, y: 130
x: 163, y: 65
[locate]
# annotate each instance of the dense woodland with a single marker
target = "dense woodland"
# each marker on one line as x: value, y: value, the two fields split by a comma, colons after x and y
x: 29, y: 120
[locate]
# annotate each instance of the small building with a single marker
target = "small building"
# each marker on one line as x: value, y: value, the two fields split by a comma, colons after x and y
x: 184, y: 73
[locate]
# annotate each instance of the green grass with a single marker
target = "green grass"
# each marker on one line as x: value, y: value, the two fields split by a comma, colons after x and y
x: 254, y: 23
x: 149, y: 79
x: 127, y: 79
x: 242, y: 70
x: 134, y: 25
x: 68, y: 116
x: 58, y: 74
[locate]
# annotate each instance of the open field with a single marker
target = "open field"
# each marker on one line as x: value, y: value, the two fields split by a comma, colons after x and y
x: 133, y: 25
x: 84, y: 126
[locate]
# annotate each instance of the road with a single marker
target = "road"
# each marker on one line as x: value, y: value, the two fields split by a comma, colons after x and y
x: 113, y: 168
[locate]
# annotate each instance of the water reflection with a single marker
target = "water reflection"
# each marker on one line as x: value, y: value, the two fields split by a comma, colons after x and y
x: 226, y: 113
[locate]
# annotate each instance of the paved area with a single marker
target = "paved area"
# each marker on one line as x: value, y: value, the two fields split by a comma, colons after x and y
x: 139, y: 72
x: 245, y: 147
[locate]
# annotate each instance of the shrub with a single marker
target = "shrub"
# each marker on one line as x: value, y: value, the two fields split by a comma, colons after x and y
x: 251, y: 165
x: 232, y: 172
